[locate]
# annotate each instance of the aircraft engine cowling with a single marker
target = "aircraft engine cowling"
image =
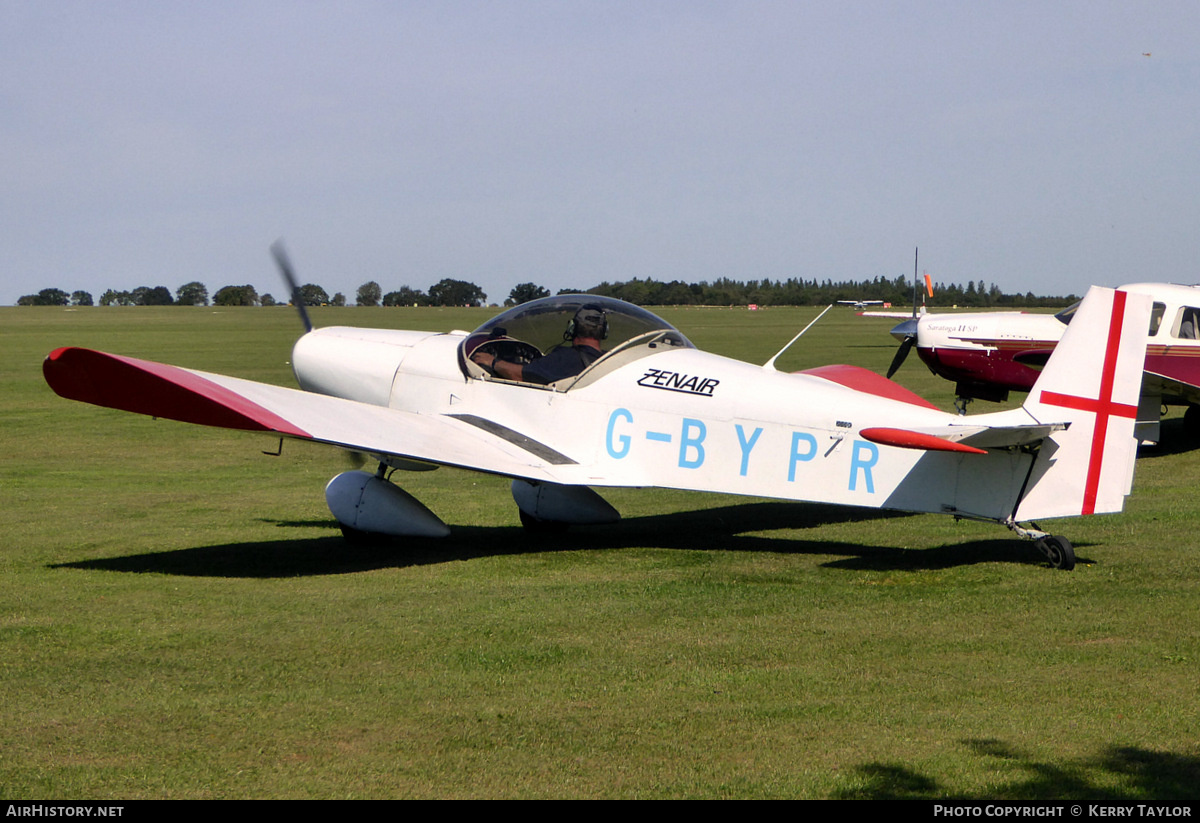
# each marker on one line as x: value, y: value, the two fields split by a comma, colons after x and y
x: 356, y: 364
x: 368, y: 503
x: 552, y: 502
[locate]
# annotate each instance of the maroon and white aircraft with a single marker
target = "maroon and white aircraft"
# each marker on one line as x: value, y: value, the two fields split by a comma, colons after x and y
x: 989, y: 354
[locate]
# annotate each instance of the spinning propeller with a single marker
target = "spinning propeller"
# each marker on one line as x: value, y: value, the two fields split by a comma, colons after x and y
x: 289, y: 277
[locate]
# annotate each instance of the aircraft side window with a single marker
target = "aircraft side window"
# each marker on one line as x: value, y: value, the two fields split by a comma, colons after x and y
x: 1189, y: 324
x: 1156, y: 316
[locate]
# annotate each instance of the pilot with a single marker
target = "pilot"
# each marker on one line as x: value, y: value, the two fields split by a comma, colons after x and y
x: 1189, y: 327
x: 585, y: 331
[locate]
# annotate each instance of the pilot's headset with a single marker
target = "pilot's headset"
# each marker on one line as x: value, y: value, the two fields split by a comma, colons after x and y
x: 589, y: 321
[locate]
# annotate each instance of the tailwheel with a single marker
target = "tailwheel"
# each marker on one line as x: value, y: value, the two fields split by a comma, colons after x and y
x: 1058, y: 551
x: 546, y: 527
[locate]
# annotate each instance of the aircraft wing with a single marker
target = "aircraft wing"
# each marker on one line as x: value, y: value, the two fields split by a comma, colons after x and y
x: 189, y: 396
x: 1157, y: 383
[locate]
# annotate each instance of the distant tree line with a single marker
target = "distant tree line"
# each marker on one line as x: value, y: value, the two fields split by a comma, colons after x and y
x: 648, y: 292
x: 189, y: 294
x: 801, y: 292
x: 56, y: 297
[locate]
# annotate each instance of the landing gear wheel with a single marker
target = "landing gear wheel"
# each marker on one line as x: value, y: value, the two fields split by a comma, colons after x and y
x: 541, y: 527
x: 1058, y: 551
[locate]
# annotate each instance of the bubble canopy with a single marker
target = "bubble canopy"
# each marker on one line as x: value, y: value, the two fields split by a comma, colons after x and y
x: 543, y: 323
x: 532, y: 330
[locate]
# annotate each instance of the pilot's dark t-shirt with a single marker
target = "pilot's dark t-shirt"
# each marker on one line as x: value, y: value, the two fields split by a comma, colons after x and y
x: 565, y: 361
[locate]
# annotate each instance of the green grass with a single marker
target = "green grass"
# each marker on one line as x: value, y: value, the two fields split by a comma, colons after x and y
x: 179, y: 617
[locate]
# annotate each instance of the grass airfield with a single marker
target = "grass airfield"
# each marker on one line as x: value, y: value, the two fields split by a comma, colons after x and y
x: 179, y: 617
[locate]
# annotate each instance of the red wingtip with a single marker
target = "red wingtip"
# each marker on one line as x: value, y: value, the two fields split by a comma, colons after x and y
x: 156, y: 389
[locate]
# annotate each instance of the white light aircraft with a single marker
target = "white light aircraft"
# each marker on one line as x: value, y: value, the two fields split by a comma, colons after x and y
x: 652, y: 410
x: 860, y: 304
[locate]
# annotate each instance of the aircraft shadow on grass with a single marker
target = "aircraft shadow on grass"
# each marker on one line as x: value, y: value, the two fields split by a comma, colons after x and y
x: 725, y: 528
x: 1145, y: 776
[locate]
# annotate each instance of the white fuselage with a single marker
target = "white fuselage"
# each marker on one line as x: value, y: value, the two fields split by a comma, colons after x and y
x: 677, y: 418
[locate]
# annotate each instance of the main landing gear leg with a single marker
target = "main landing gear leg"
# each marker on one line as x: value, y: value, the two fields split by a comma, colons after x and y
x: 1056, y: 549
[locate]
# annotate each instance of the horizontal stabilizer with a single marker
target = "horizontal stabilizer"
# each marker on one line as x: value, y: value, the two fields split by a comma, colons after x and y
x: 1007, y: 437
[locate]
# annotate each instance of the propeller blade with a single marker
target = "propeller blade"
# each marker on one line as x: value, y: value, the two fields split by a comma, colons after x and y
x: 906, y: 332
x: 289, y: 277
x: 901, y: 353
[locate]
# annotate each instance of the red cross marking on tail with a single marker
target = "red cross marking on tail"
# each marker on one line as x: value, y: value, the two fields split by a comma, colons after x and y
x: 1103, y: 406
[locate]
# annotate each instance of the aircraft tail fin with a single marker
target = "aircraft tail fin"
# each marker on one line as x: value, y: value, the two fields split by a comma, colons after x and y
x: 1092, y: 383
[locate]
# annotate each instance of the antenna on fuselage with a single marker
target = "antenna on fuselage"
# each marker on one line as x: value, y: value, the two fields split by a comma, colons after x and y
x: 289, y: 276
x: 770, y: 364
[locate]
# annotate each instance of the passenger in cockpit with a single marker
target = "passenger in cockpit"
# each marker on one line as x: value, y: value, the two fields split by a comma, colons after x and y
x: 585, y: 331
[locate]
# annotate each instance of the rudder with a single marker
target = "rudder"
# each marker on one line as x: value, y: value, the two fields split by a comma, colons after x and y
x: 1093, y: 383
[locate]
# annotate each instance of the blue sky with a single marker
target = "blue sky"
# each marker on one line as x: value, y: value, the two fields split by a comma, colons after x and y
x: 1033, y: 145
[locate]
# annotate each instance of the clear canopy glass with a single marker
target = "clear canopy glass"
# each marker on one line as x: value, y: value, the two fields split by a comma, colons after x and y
x: 534, y: 329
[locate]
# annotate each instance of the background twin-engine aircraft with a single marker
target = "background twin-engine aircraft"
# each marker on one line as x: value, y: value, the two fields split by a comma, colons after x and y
x: 653, y: 410
x: 860, y: 304
x: 989, y: 354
